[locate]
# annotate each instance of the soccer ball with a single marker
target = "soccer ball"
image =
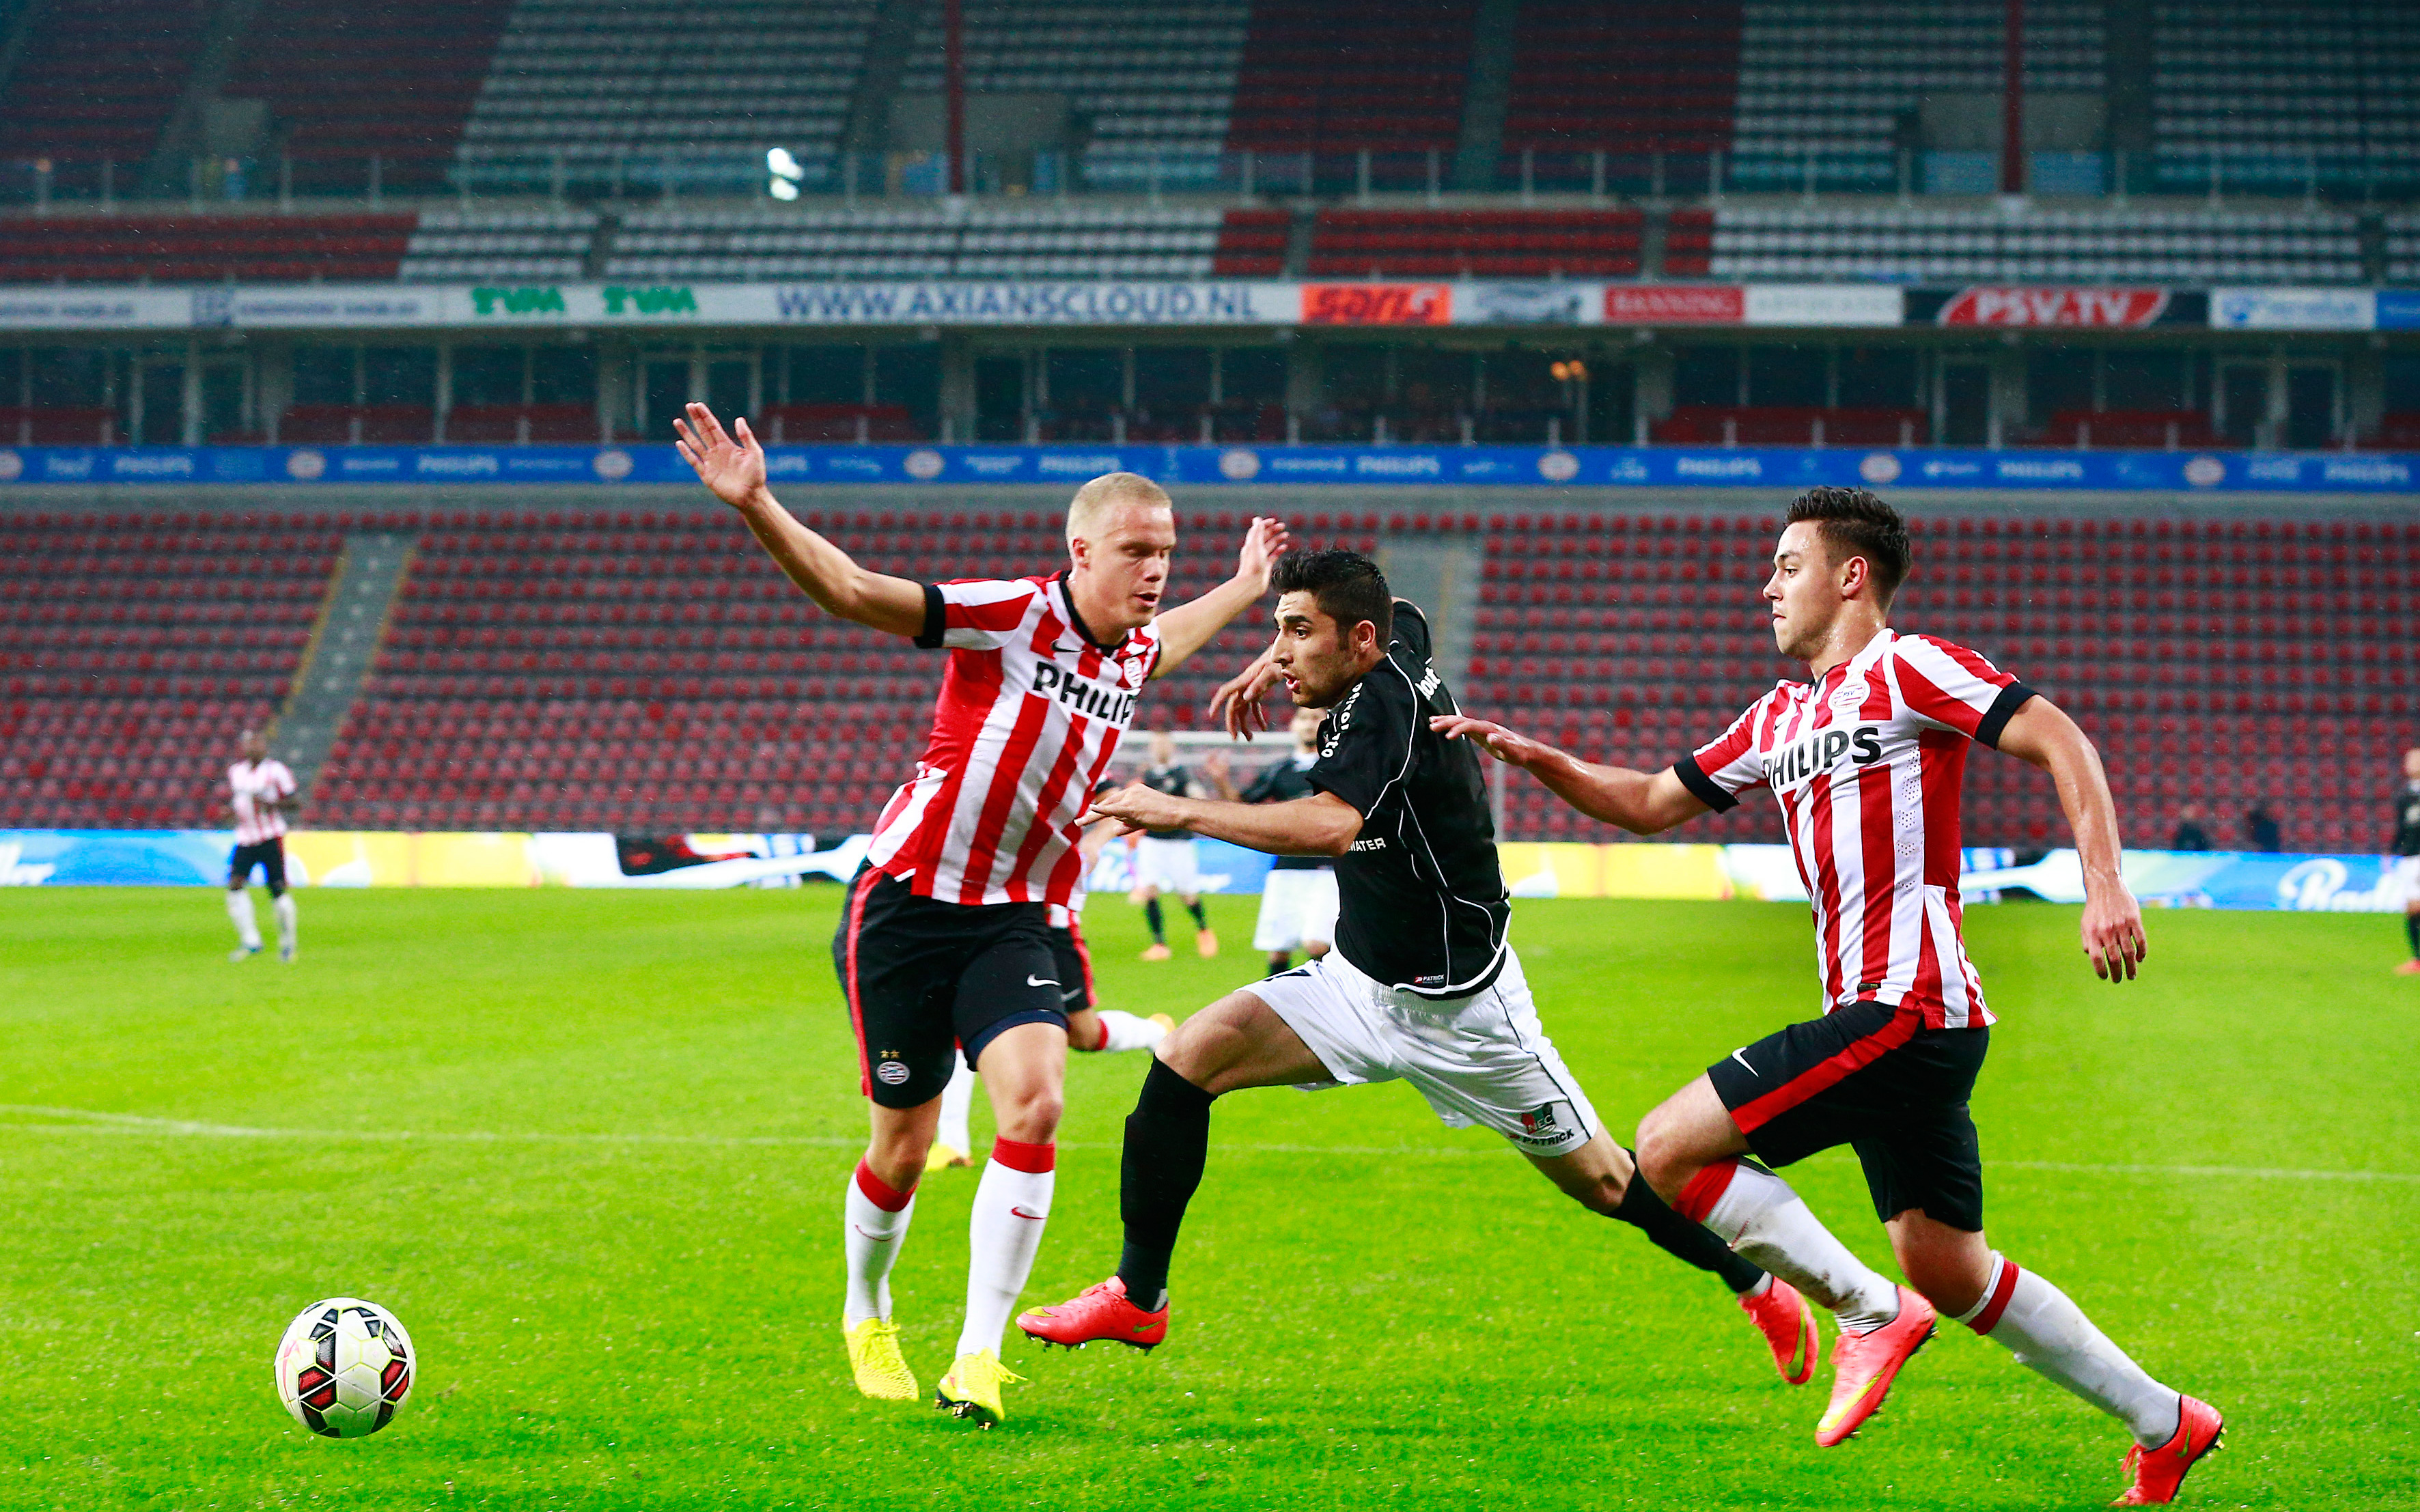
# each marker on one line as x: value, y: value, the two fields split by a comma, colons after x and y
x: 343, y: 1367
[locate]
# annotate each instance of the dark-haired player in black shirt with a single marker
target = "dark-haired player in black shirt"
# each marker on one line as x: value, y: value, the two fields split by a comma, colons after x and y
x: 2407, y: 852
x: 1422, y: 985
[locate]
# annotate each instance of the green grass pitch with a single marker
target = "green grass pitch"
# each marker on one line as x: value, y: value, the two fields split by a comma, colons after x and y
x: 613, y: 1227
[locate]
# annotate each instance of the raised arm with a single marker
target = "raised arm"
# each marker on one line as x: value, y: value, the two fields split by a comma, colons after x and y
x: 1189, y: 628
x: 733, y: 470
x: 1321, y: 825
x: 1643, y: 803
x: 2041, y: 733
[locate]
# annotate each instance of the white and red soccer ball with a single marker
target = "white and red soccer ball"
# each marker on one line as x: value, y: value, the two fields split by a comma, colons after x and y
x: 345, y: 1367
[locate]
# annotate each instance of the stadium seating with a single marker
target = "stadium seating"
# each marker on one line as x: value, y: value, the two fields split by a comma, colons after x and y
x: 2141, y: 429
x: 651, y: 671
x: 59, y: 425
x: 89, y: 249
x: 1046, y: 241
x: 358, y: 78
x: 1476, y: 243
x: 1784, y: 426
x: 134, y: 648
x: 1252, y: 243
x: 1153, y: 80
x: 2275, y: 94
x: 2054, y: 245
x: 78, y: 104
x: 1832, y: 82
x: 1630, y: 78
x: 665, y: 94
x: 2402, y: 247
x: 1354, y: 76
x: 2215, y: 661
x: 542, y: 245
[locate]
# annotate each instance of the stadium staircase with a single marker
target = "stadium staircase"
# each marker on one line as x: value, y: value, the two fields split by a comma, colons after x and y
x: 343, y: 644
x: 134, y: 647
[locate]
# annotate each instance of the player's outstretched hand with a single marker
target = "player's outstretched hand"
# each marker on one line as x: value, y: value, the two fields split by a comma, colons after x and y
x: 733, y: 469
x: 1133, y: 809
x: 2113, y: 934
x: 1506, y: 746
x: 1263, y: 544
x: 1237, y: 702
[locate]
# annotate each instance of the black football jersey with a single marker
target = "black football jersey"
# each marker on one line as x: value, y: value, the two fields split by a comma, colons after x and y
x: 1422, y: 901
x: 2407, y: 820
x: 1176, y: 782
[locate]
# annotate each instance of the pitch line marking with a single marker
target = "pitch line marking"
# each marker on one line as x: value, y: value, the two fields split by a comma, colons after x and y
x: 88, y: 1121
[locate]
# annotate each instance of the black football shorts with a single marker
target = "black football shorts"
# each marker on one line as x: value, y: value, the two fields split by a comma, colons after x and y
x: 269, y: 856
x: 1874, y: 1078
x: 924, y: 977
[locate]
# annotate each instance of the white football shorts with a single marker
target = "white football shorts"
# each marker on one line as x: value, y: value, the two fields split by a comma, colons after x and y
x: 1480, y: 1060
x: 1166, y: 864
x: 1298, y: 908
x: 2407, y: 873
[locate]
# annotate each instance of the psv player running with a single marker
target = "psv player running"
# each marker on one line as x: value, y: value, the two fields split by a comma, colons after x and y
x: 1865, y: 762
x: 944, y: 939
x: 1422, y: 985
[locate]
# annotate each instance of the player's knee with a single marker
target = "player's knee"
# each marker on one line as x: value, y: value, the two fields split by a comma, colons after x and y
x: 1032, y: 1119
x: 1661, y: 1158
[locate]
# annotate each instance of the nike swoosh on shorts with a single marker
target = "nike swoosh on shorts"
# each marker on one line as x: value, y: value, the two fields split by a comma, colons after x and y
x: 1032, y: 980
x: 1743, y: 1060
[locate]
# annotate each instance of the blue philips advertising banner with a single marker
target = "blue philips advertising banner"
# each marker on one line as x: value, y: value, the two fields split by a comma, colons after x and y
x: 1746, y: 467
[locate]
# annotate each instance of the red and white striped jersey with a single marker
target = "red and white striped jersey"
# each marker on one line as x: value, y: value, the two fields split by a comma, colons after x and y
x: 1867, y: 763
x: 251, y: 783
x: 1030, y: 714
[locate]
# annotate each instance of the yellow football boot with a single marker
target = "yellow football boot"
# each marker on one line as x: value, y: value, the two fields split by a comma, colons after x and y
x: 875, y: 1360
x: 972, y: 1389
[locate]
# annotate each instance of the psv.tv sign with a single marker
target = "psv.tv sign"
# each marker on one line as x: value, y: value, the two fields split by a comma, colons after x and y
x: 2109, y: 309
x: 1377, y: 304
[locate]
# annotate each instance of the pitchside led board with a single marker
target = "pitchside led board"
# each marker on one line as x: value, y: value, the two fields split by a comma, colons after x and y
x: 1239, y: 303
x: 197, y: 858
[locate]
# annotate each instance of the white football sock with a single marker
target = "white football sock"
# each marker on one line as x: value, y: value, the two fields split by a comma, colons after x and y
x: 1757, y: 1214
x: 247, y: 928
x: 957, y: 1102
x: 1012, y: 1204
x: 2050, y: 1334
x: 283, y: 909
x: 875, y: 1223
x: 1128, y: 1032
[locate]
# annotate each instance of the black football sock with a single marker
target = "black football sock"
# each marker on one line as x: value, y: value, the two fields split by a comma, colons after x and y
x: 1680, y: 1238
x: 2411, y: 928
x: 1201, y: 919
x: 1159, y: 925
x: 1168, y: 1142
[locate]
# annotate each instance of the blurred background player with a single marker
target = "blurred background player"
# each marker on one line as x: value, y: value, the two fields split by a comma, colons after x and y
x: 1164, y: 859
x: 1865, y: 762
x: 1298, y: 897
x: 261, y: 791
x: 2407, y: 853
x: 1090, y: 1028
x: 945, y: 939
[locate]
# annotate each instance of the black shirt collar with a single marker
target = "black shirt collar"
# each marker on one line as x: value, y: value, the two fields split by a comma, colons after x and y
x: 1067, y: 602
